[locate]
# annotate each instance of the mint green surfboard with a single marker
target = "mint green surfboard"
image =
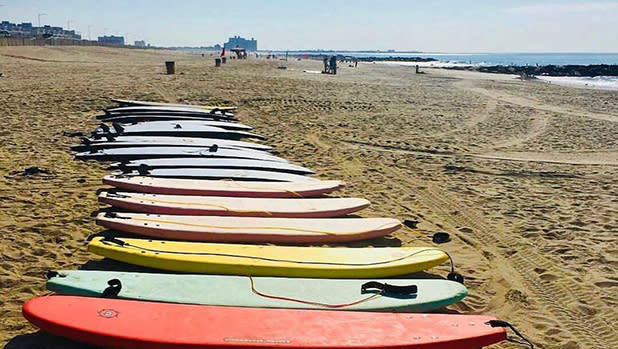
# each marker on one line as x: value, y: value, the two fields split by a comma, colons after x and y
x: 267, y: 292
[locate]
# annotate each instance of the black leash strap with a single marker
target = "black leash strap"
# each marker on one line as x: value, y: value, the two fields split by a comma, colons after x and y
x: 119, y: 129
x: 113, y: 240
x: 385, y: 288
x: 124, y: 168
x: 453, y: 275
x: 104, y: 127
x: 504, y: 324
x: 113, y: 289
x: 110, y: 214
x: 116, y: 195
x: 143, y: 170
x: 441, y: 237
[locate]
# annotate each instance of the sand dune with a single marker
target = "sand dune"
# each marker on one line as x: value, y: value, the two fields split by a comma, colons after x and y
x: 523, y: 174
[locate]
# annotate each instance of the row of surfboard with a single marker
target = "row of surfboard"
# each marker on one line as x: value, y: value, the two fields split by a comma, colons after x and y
x: 202, y: 200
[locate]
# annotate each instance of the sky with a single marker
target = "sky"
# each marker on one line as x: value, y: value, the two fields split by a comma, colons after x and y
x: 430, y: 26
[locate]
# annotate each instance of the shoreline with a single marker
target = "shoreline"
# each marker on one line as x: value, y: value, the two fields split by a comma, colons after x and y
x: 608, y: 83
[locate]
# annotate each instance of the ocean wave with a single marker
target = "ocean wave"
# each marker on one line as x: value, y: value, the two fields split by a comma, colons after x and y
x: 600, y: 82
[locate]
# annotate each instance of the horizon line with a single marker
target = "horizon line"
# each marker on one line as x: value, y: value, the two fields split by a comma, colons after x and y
x: 415, y: 51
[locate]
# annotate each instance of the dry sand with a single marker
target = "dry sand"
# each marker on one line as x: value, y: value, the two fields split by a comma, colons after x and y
x: 523, y: 174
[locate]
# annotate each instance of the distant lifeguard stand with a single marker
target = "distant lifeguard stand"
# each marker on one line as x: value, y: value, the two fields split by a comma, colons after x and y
x: 240, y: 52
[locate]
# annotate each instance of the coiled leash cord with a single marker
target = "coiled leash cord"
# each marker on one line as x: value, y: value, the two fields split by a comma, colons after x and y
x: 504, y: 324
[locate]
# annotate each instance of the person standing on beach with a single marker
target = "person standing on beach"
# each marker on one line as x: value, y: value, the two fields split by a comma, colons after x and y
x: 333, y: 65
x: 325, y: 60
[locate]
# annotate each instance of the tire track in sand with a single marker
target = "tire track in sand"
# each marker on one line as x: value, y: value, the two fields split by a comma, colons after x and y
x: 538, y: 127
x: 526, y: 102
x: 591, y: 331
x: 595, y: 158
x: 490, y: 107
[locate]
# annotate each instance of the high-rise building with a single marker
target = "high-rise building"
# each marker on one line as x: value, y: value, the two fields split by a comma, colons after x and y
x: 237, y: 41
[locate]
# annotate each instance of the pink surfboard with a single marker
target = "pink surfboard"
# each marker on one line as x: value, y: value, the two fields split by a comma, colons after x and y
x: 233, y: 206
x: 249, y: 229
x: 223, y: 187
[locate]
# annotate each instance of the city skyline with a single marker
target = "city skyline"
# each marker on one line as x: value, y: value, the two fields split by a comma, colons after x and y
x: 440, y: 26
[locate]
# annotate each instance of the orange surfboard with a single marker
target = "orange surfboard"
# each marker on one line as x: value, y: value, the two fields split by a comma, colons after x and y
x: 134, y: 324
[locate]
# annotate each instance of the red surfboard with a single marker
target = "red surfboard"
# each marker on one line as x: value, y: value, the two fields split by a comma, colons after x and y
x: 134, y: 324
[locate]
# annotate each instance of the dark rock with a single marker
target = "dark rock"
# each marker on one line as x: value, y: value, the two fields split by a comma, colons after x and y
x: 548, y: 70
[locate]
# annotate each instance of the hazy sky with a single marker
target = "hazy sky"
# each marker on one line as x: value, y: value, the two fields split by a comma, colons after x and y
x: 432, y: 25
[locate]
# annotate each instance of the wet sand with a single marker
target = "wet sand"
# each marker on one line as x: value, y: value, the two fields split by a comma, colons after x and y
x: 522, y: 174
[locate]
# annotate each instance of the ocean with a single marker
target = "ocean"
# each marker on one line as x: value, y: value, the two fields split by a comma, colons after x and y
x: 484, y: 58
x: 520, y: 59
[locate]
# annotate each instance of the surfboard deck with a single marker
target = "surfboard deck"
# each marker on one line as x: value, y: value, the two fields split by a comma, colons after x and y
x: 152, y: 141
x: 133, y: 118
x: 174, y: 186
x: 133, y: 103
x: 133, y: 324
x: 183, y: 124
x: 174, y: 152
x: 266, y: 292
x: 218, y: 116
x: 232, y: 206
x: 165, y: 109
x: 267, y: 260
x: 249, y: 229
x: 161, y: 129
x: 235, y: 163
x: 219, y: 173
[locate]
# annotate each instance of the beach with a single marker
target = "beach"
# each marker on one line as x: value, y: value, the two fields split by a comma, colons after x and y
x: 522, y: 174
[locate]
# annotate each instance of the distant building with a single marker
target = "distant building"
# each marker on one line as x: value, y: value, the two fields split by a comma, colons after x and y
x: 111, y: 39
x: 26, y: 30
x: 140, y: 43
x: 237, y: 41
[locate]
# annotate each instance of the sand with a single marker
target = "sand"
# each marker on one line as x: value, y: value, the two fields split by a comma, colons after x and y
x: 522, y: 174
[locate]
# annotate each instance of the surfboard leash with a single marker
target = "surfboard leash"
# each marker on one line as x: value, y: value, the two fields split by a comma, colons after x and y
x: 318, y: 304
x: 521, y: 341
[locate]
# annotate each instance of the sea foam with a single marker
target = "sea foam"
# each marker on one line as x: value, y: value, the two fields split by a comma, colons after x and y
x: 600, y: 82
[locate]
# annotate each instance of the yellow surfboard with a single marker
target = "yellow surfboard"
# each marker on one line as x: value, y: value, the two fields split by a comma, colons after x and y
x: 262, y: 260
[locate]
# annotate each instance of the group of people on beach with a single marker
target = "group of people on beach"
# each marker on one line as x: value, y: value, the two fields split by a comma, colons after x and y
x: 330, y: 65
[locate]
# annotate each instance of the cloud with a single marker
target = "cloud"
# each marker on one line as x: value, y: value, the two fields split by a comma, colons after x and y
x: 564, y: 8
